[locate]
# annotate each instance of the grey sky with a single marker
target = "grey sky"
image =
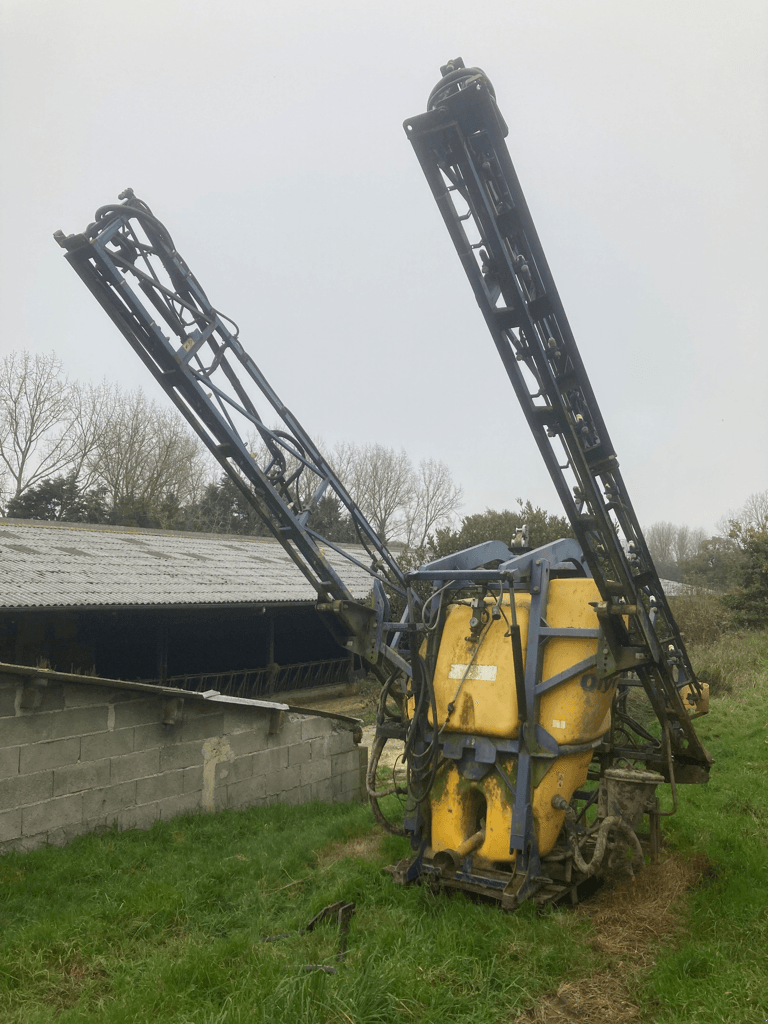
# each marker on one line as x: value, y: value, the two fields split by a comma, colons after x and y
x: 268, y: 138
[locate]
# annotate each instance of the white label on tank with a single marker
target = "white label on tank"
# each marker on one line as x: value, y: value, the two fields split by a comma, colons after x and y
x: 485, y: 672
x: 557, y: 724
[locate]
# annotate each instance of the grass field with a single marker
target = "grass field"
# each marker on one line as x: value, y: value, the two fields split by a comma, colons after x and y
x: 169, y: 924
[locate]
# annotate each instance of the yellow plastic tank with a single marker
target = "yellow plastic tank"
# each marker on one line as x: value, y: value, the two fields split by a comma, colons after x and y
x: 479, y: 680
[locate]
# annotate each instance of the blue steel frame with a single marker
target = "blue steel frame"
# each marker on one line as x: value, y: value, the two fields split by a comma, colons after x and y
x: 476, y: 756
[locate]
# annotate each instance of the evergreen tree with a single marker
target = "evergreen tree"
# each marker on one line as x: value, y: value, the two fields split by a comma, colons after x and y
x: 59, y: 498
x: 543, y: 528
x: 329, y: 521
x: 749, y: 602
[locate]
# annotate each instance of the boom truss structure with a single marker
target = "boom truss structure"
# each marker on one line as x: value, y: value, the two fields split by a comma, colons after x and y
x: 460, y: 145
x: 128, y: 260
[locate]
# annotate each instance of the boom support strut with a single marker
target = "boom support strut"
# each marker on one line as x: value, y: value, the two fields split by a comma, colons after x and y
x: 460, y: 145
x: 129, y: 262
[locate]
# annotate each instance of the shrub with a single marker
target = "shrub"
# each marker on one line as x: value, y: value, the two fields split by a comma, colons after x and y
x: 701, y: 615
x: 734, y: 663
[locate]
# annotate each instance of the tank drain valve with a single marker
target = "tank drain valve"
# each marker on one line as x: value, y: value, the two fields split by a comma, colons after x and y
x: 449, y: 861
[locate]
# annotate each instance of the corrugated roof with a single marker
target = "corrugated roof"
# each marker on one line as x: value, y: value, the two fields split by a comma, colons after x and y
x: 55, y: 565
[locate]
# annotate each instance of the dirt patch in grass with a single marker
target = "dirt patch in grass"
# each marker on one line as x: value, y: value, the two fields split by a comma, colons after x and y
x: 365, y: 847
x: 631, y: 918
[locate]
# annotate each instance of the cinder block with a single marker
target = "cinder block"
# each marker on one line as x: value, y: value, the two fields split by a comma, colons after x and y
x: 9, y: 761
x: 51, y: 754
x: 248, y: 793
x: 10, y: 825
x: 121, y: 696
x: 315, y: 726
x: 22, y: 845
x: 97, y: 825
x: 322, y: 791
x: 246, y: 741
x: 137, y: 817
x: 29, y: 727
x: 26, y: 789
x: 172, y: 807
x: 138, y: 765
x: 198, y: 725
x: 289, y: 734
x: 51, y: 698
x: 282, y: 781
x: 315, y: 771
x: 299, y: 753
x: 298, y: 795
x: 8, y: 698
x: 139, y: 711
x: 51, y: 814
x: 267, y: 761
x: 337, y: 781
x: 340, y: 742
x: 344, y: 762
x: 154, y: 735
x: 193, y: 779
x: 65, y: 834
x: 77, y: 721
x: 106, y: 744
x: 159, y: 787
x: 181, y: 755
x: 319, y: 747
x: 76, y: 777
x: 228, y: 772
x: 350, y: 785
x: 109, y: 800
x: 83, y: 696
x: 246, y: 720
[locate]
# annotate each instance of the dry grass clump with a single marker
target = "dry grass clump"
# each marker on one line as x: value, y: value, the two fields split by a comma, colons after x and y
x: 735, y: 663
x: 631, y: 918
x: 365, y: 847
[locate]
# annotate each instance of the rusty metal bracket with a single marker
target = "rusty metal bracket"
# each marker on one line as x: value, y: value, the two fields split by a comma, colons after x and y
x: 343, y: 913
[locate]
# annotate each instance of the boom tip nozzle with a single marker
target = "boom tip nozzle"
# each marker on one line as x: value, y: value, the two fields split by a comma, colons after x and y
x: 457, y: 76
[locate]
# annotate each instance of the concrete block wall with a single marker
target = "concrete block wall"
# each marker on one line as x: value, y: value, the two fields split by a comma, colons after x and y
x: 75, y: 758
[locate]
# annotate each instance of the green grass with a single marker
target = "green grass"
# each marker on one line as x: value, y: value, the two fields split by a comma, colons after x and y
x: 721, y: 972
x: 168, y: 924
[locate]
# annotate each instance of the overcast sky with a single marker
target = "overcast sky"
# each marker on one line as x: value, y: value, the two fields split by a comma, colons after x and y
x: 268, y: 137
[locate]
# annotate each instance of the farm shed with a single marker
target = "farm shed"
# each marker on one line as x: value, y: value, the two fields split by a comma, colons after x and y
x: 141, y: 677
x: 197, y: 611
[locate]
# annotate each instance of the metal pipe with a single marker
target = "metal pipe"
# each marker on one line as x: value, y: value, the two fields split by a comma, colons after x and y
x: 449, y: 861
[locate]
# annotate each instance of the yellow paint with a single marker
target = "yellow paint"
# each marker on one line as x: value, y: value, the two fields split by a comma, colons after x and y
x: 462, y: 805
x: 694, y: 703
x: 576, y: 711
x: 483, y: 707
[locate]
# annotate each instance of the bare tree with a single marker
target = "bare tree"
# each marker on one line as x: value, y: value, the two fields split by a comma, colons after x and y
x: 687, y: 542
x: 660, y: 538
x: 145, y: 453
x: 436, y: 499
x: 381, y: 481
x: 38, y: 407
x: 750, y: 519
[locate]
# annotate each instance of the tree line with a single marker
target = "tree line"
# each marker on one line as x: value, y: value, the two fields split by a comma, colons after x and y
x: 102, y: 454
x: 733, y: 563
